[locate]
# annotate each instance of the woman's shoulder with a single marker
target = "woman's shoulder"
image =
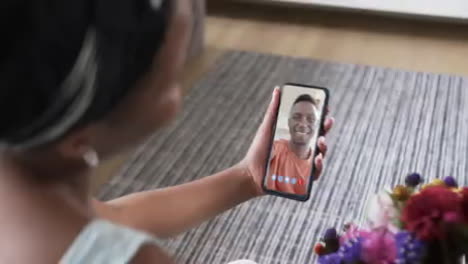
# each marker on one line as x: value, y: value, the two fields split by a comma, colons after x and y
x: 102, y: 241
x: 42, y: 229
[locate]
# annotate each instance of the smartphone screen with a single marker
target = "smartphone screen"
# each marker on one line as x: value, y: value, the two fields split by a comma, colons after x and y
x: 290, y: 167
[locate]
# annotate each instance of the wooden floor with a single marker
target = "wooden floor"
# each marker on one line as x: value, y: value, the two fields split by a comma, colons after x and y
x: 334, y: 36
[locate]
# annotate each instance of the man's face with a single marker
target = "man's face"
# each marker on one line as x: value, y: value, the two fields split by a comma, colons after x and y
x: 302, y: 122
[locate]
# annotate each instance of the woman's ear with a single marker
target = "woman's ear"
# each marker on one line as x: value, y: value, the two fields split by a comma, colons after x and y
x: 75, y: 145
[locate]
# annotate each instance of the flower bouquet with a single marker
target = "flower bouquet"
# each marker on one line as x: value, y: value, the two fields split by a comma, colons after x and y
x: 405, y: 225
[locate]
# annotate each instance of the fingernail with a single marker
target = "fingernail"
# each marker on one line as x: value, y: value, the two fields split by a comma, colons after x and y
x: 319, y: 158
x: 321, y: 142
x: 276, y: 89
x: 319, y: 161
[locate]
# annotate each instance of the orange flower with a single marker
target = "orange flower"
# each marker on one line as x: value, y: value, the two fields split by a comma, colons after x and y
x: 401, y: 193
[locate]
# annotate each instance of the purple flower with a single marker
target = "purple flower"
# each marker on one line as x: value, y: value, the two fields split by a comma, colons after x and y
x: 410, y: 249
x: 413, y: 180
x: 333, y: 258
x: 330, y: 234
x: 351, y: 250
x: 349, y: 253
x: 450, y: 182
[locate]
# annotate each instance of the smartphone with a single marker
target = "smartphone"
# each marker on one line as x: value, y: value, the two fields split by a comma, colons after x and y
x: 299, y: 123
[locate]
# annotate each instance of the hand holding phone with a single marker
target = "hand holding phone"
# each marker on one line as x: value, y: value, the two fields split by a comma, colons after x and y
x: 299, y: 123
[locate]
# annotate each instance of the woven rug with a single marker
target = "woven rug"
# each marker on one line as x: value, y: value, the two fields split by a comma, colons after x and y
x: 389, y: 122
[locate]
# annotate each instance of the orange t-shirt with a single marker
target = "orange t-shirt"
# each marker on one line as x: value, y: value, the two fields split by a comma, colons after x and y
x: 288, y: 173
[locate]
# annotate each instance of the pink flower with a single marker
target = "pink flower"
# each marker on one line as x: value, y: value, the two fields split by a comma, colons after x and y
x: 379, y: 247
x: 352, y: 233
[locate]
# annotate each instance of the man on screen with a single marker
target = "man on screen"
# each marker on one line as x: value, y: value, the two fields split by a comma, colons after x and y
x: 291, y: 160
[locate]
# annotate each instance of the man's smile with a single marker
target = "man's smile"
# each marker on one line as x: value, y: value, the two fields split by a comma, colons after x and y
x: 302, y: 131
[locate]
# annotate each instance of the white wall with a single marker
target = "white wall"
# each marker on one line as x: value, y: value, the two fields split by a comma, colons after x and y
x: 448, y: 9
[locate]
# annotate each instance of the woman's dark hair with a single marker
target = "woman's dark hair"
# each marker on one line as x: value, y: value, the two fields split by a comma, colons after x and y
x: 43, y: 42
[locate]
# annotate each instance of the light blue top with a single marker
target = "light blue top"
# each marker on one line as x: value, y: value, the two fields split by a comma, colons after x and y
x: 104, y: 242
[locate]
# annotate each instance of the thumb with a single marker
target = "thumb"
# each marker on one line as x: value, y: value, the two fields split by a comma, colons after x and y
x: 264, y: 132
x: 270, y: 114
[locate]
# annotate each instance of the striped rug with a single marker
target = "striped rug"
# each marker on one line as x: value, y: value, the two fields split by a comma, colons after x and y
x: 389, y: 122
